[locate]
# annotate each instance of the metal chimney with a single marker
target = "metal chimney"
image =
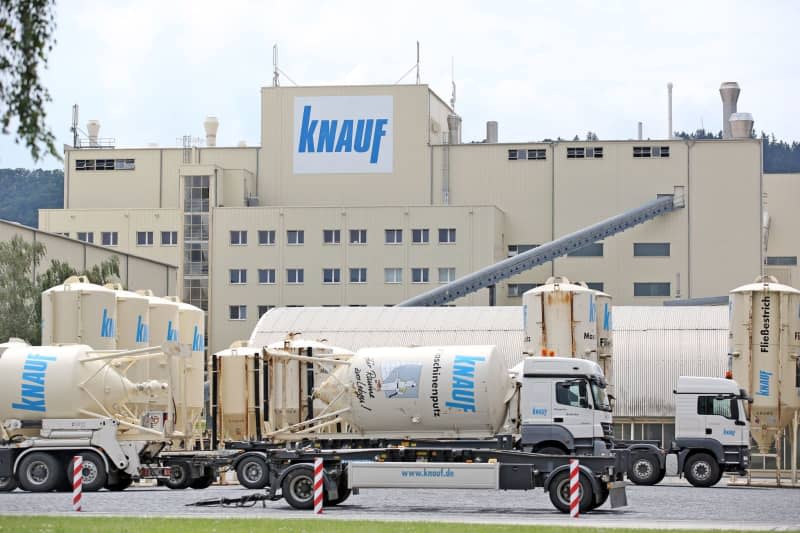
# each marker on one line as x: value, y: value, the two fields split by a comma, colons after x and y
x: 454, y: 129
x: 93, y: 128
x: 669, y: 110
x: 741, y: 125
x: 211, y: 124
x: 639, y: 131
x: 491, y: 132
x: 729, y: 91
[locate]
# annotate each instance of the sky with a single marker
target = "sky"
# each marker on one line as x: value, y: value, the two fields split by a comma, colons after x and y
x: 151, y: 71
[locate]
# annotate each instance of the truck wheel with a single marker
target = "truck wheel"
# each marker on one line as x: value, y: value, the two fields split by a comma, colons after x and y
x: 180, y: 476
x: 205, y: 480
x: 7, y: 484
x: 123, y: 482
x: 661, y: 476
x: 94, y: 472
x: 559, y: 492
x: 298, y: 488
x: 252, y: 472
x: 644, y: 470
x: 40, y: 472
x: 702, y: 470
x: 603, y: 496
x: 344, y: 491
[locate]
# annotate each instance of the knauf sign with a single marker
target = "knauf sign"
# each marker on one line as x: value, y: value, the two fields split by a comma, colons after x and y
x: 343, y: 134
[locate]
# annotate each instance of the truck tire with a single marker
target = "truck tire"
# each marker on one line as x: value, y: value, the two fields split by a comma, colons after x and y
x: 702, y: 470
x: 644, y: 470
x: 298, y: 488
x: 122, y: 482
x: 559, y: 492
x: 342, y: 489
x: 602, y: 497
x: 252, y: 472
x: 180, y: 476
x: 94, y: 472
x: 204, y: 481
x: 41, y: 472
x: 7, y: 484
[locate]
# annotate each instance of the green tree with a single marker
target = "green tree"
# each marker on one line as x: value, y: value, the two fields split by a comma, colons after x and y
x: 26, y: 38
x: 18, y: 291
x: 105, y: 272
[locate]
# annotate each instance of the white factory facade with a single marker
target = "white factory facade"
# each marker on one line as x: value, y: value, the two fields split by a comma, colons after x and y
x: 366, y: 195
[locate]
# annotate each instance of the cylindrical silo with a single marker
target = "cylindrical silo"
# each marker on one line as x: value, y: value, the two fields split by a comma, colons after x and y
x: 79, y: 312
x: 133, y: 318
x: 764, y: 347
x: 236, y: 393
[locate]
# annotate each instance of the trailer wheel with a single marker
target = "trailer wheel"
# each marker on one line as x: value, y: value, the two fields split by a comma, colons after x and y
x: 644, y: 470
x: 205, y: 481
x: 180, y: 476
x: 298, y: 488
x: 123, y: 482
x: 94, y: 472
x: 702, y: 470
x: 252, y: 472
x: 7, y: 484
x: 40, y: 472
x: 559, y: 492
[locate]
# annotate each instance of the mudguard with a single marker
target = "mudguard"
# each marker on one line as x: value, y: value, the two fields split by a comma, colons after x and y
x: 584, y: 469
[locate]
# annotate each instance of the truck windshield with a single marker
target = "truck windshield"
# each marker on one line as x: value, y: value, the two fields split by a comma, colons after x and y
x: 601, y: 402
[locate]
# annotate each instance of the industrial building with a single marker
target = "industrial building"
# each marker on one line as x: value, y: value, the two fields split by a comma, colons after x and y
x: 368, y: 195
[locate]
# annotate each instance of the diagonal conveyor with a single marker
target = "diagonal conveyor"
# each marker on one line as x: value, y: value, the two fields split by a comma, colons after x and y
x: 512, y: 266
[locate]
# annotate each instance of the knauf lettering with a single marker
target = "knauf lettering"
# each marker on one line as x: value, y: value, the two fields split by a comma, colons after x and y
x: 606, y: 317
x: 33, y: 374
x: 197, y: 340
x: 763, y: 382
x: 106, y: 325
x: 172, y: 334
x: 592, y: 310
x: 364, y: 137
x: 142, y: 331
x: 462, y: 390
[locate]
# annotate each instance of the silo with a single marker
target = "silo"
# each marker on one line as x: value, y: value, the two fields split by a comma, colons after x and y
x: 133, y: 318
x: 764, y: 347
x: 236, y: 389
x: 79, y: 312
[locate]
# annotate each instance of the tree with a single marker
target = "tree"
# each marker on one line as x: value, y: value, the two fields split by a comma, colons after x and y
x: 105, y: 272
x: 18, y: 291
x: 26, y: 38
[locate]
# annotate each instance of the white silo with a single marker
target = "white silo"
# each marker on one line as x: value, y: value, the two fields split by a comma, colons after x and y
x: 133, y: 318
x: 79, y: 312
x: 729, y: 92
x: 764, y: 347
x: 235, y: 400
x: 211, y: 125
x: 93, y: 129
x: 741, y: 125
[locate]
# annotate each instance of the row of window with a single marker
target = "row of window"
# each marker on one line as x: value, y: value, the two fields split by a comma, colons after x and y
x: 105, y: 164
x: 592, y: 152
x: 640, y: 249
x: 515, y: 290
x: 143, y: 238
x: 331, y: 276
x: 334, y: 236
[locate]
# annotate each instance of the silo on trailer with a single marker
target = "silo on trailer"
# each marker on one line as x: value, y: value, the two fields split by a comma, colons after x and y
x: 79, y: 312
x: 133, y: 318
x: 764, y: 348
x: 235, y: 400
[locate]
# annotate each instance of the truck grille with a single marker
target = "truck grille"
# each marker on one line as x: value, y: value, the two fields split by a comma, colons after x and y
x: 608, y: 429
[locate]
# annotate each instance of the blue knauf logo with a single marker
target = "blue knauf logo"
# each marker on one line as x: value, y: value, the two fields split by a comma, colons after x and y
x: 763, y: 382
x: 197, y: 340
x: 107, y: 325
x: 142, y: 331
x: 539, y: 411
x: 361, y: 135
x: 172, y: 333
x: 33, y: 376
x: 606, y: 317
x: 729, y: 432
x: 592, y: 310
x: 463, y: 386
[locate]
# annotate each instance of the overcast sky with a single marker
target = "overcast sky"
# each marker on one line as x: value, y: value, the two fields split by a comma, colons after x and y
x: 151, y: 71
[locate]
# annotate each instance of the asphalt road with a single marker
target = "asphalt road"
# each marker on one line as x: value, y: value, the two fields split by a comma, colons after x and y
x: 674, y: 504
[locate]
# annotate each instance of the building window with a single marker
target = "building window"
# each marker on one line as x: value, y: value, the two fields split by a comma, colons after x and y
x: 109, y: 238
x: 593, y: 250
x: 169, y: 238
x: 420, y: 236
x: 593, y: 152
x: 651, y: 249
x: 266, y: 276
x: 331, y: 275
x: 238, y: 276
x: 393, y: 275
x: 237, y: 312
x: 651, y: 289
x: 515, y: 290
x: 777, y: 260
x: 124, y: 164
x: 195, y: 258
x: 650, y: 151
x: 86, y: 236
x: 331, y: 236
x: 575, y: 153
x: 105, y: 164
x: 239, y: 237
x: 394, y: 236
x: 595, y: 285
x: 447, y: 235
x: 419, y: 275
x: 295, y: 237
x: 262, y: 309
x: 144, y: 238
x: 447, y: 274
x: 294, y: 276
x: 515, y: 249
x: 195, y: 292
x: 266, y: 237
x: 65, y: 233
x: 358, y: 236
x: 537, y: 154
x: 521, y: 154
x: 358, y: 275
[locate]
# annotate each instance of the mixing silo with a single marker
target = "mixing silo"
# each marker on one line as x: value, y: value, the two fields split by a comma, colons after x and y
x: 764, y: 347
x: 79, y: 312
x: 133, y: 318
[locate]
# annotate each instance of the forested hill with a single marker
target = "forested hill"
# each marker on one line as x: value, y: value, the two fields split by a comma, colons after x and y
x: 23, y: 192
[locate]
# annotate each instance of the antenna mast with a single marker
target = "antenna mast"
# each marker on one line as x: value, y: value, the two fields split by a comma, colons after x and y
x: 453, y: 82
x: 417, y: 62
x: 74, y: 128
x: 275, y: 75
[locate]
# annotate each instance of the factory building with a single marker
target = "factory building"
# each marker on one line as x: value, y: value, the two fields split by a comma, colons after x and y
x: 368, y: 195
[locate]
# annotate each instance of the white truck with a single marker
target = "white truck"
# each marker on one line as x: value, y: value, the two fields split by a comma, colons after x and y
x: 566, y: 410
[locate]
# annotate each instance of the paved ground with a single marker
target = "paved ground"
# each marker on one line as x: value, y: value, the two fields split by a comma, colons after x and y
x: 673, y: 504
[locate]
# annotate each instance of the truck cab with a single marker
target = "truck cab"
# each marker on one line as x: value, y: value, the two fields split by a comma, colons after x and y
x: 564, y: 407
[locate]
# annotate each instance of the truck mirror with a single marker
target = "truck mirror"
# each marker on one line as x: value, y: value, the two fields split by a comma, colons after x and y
x: 740, y: 423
